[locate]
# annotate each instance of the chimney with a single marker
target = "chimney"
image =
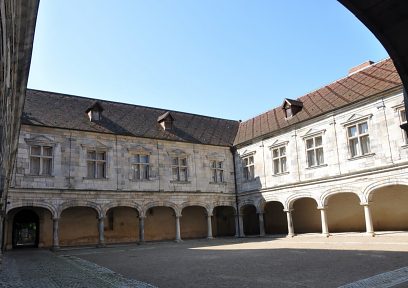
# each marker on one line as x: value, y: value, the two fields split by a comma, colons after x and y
x: 360, y: 67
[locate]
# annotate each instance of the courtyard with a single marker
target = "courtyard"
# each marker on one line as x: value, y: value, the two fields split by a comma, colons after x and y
x: 309, y: 260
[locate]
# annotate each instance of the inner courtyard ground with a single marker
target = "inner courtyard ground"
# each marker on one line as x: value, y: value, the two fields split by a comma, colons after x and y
x: 307, y: 260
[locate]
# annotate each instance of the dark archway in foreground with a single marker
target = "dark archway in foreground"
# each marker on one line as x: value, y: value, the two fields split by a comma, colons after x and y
x: 26, y: 229
x: 251, y: 220
x: 223, y: 222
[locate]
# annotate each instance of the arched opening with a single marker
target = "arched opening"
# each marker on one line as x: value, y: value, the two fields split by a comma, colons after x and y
x: 78, y: 226
x: 17, y: 227
x: 345, y: 214
x: 223, y: 222
x: 193, y: 222
x: 121, y: 225
x: 275, y: 218
x: 160, y: 224
x: 389, y: 208
x: 26, y: 229
x: 250, y: 219
x: 306, y: 217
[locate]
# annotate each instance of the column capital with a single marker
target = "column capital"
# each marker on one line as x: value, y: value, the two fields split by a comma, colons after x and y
x: 321, y: 207
x: 142, y: 217
x: 55, y: 218
x: 210, y: 215
x: 364, y: 204
x: 288, y: 210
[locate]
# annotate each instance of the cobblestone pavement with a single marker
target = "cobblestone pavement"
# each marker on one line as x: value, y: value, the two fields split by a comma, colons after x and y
x: 43, y: 269
x: 302, y: 261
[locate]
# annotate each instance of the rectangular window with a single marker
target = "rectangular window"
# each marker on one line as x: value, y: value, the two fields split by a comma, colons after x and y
x: 217, y: 171
x: 141, y: 167
x: 249, y: 168
x: 358, y: 139
x: 314, y: 151
x: 403, y: 118
x: 41, y: 160
x: 279, y: 160
x: 96, y: 163
x: 179, y: 168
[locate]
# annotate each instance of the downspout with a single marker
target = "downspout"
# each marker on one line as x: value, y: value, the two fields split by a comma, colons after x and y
x: 233, y: 151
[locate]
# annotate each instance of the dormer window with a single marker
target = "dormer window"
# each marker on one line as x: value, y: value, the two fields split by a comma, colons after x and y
x: 166, y: 121
x: 95, y: 112
x: 291, y: 107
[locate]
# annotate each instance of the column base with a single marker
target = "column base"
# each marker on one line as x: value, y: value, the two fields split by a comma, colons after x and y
x: 370, y: 234
x: 290, y: 235
x: 101, y: 245
x: 210, y: 238
x: 178, y: 240
x: 327, y: 235
x: 141, y: 242
x: 262, y: 235
x: 55, y: 248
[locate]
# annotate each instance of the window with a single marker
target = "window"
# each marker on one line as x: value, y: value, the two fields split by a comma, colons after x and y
x: 314, y: 151
x: 141, y: 167
x: 358, y: 139
x: 249, y: 168
x: 217, y: 171
x: 279, y: 160
x: 41, y: 160
x: 96, y: 162
x: 403, y: 118
x: 179, y: 168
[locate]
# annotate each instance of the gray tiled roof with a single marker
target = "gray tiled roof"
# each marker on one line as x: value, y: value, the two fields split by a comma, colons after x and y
x: 69, y: 112
x: 365, y: 83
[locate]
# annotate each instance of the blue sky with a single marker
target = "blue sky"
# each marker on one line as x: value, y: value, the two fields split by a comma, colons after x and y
x: 225, y: 58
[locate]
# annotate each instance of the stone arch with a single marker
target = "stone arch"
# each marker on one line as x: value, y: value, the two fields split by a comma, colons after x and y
x: 305, y: 214
x: 224, y: 203
x: 248, y: 202
x: 171, y: 205
x: 327, y: 194
x: 114, y: 204
x: 369, y: 190
x: 196, y: 203
x: 292, y: 198
x: 80, y: 203
x: 27, y: 203
x: 263, y: 201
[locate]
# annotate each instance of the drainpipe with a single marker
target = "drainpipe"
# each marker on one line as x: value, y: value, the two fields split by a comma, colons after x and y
x: 233, y: 151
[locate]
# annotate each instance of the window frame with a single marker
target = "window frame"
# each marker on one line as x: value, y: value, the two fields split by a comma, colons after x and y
x: 41, y: 158
x: 314, y: 149
x: 401, y: 114
x: 217, y: 171
x: 178, y: 167
x: 95, y: 163
x: 358, y: 137
x: 138, y: 163
x: 279, y: 159
x: 248, y: 167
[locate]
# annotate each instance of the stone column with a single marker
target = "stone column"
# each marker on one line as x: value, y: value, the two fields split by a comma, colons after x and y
x: 178, y: 234
x: 2, y: 231
x: 368, y: 220
x: 236, y: 217
x: 325, y: 227
x: 241, y: 226
x: 261, y: 224
x: 291, y: 231
x: 55, y: 234
x: 141, y: 229
x: 209, y: 227
x: 101, y: 227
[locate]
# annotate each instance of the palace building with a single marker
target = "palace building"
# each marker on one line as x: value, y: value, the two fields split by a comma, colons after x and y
x: 94, y: 172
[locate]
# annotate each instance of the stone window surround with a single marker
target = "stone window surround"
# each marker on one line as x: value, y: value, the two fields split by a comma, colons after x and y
x: 313, y: 136
x: 277, y: 146
x: 139, y: 151
x: 356, y: 121
x: 42, y: 141
x: 99, y: 147
x: 217, y: 169
x: 248, y: 176
x: 179, y: 155
x: 400, y: 109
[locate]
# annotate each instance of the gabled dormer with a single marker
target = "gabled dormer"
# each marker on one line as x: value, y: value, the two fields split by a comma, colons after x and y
x: 95, y: 112
x: 291, y: 107
x: 166, y: 121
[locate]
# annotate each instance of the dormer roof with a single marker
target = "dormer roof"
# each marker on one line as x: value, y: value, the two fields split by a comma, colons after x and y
x: 96, y: 106
x: 164, y: 117
x: 292, y: 102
